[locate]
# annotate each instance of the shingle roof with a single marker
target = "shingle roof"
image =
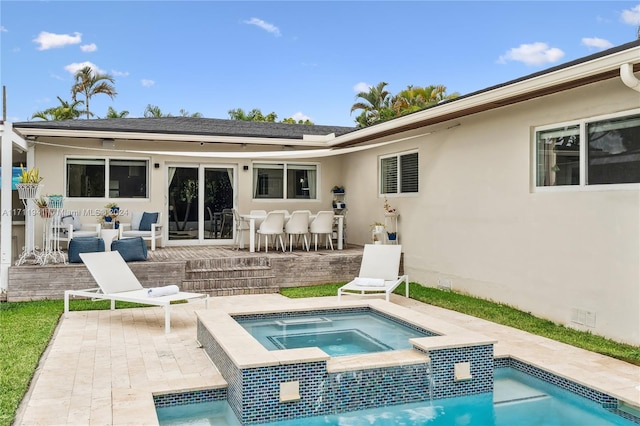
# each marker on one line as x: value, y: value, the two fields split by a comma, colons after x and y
x: 190, y: 126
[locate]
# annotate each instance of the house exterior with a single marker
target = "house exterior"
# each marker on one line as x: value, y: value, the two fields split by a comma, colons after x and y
x: 526, y: 193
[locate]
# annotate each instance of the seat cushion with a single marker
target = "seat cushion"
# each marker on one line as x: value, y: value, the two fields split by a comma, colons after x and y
x: 84, y: 234
x: 147, y: 220
x: 84, y: 245
x: 131, y: 249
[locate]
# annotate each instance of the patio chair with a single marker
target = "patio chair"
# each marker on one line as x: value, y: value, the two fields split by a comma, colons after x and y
x: 378, y: 273
x: 242, y: 226
x: 117, y: 282
x: 298, y: 225
x: 146, y: 225
x: 322, y: 225
x: 273, y: 224
x: 67, y: 226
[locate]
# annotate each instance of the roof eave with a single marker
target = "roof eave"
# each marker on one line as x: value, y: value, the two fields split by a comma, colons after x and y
x: 167, y: 137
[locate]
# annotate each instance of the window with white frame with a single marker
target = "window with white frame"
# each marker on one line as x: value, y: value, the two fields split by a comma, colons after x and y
x: 610, y: 153
x: 107, y: 178
x: 285, y: 181
x: 399, y: 173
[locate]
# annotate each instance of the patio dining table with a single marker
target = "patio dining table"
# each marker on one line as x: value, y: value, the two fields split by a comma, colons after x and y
x: 339, y: 219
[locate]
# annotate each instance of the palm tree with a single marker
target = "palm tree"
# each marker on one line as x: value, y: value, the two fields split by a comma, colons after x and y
x: 185, y: 113
x: 154, y: 111
x: 375, y: 105
x: 91, y: 83
x: 237, y: 114
x: 65, y: 111
x: 112, y: 113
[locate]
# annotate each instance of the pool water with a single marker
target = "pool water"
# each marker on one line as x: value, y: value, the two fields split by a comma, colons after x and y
x: 335, y: 333
x: 518, y: 399
x: 217, y: 413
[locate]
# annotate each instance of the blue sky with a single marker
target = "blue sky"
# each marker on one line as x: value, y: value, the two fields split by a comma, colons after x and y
x: 295, y: 58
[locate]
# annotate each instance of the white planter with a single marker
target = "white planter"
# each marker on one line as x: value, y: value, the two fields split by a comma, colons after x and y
x: 379, y: 229
x: 28, y: 191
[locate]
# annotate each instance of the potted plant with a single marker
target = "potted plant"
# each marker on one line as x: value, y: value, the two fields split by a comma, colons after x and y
x: 387, y: 207
x: 338, y: 189
x: 377, y: 227
x: 43, y: 205
x: 29, y: 183
x: 111, y: 212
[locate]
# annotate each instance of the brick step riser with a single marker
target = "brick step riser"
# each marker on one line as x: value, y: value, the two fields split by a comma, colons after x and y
x: 240, y: 291
x: 197, y: 285
x: 228, y: 263
x: 203, y: 275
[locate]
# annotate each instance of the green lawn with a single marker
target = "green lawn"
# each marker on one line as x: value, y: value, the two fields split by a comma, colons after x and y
x: 498, y: 313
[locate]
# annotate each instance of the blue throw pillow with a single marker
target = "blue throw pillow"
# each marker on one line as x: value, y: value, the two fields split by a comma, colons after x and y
x: 147, y: 220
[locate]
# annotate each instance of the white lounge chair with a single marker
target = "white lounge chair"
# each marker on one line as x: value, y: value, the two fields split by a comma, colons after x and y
x: 378, y: 273
x: 117, y: 282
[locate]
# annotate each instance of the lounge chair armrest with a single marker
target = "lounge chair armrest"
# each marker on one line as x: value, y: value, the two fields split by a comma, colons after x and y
x: 155, y: 227
x: 123, y: 227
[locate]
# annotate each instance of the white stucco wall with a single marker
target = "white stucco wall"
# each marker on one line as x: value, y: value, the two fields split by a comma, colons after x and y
x: 478, y: 222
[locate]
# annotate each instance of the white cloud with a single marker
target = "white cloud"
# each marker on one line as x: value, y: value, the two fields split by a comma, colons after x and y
x: 270, y: 28
x: 598, y: 43
x: 361, y: 87
x: 631, y: 16
x: 3, y: 29
x: 89, y: 47
x: 532, y: 54
x: 147, y: 83
x: 300, y: 116
x: 74, y: 67
x: 117, y: 73
x: 50, y: 40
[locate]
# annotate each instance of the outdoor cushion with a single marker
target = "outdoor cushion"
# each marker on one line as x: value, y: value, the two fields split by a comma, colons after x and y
x: 84, y: 245
x: 130, y: 249
x: 147, y: 220
x: 70, y: 219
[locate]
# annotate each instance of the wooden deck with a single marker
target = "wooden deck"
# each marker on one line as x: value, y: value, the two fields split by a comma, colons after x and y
x: 216, y: 270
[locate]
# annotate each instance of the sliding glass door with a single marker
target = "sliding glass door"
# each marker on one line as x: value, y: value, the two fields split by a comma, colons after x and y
x: 200, y: 202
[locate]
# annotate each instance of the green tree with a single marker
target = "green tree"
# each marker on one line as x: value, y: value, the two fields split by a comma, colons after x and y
x: 154, y: 111
x: 65, y: 111
x: 417, y: 98
x: 291, y: 120
x: 185, y: 113
x: 112, y: 113
x: 253, y: 115
x: 379, y: 105
x: 89, y: 84
x: 375, y: 105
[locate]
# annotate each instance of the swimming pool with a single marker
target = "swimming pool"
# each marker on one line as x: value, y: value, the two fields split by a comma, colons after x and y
x: 518, y: 398
x: 336, y: 333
